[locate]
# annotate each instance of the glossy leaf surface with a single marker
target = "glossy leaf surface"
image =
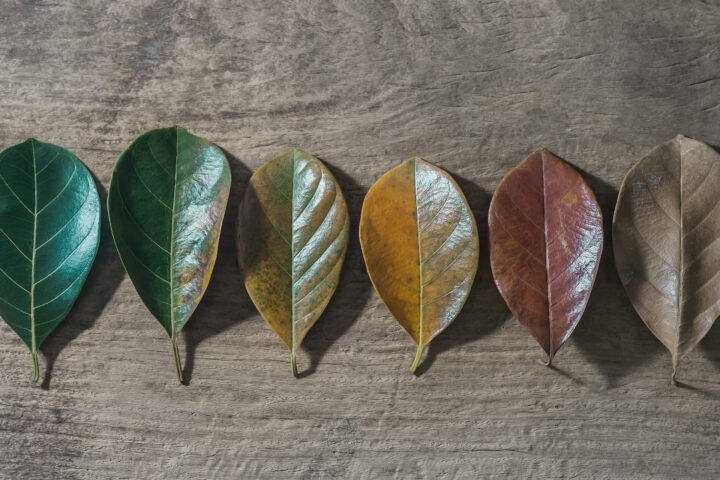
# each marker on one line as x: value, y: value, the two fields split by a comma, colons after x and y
x: 546, y: 239
x: 49, y: 235
x: 420, y: 244
x: 665, y: 238
x: 166, y: 204
x: 292, y: 235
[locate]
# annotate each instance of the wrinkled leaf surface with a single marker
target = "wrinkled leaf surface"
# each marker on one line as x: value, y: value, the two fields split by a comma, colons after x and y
x: 292, y: 235
x: 665, y: 238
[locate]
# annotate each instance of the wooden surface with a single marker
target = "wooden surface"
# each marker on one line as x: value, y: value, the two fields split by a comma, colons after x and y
x: 473, y: 86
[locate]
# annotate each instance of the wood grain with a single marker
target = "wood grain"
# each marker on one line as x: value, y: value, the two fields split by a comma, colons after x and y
x: 469, y: 86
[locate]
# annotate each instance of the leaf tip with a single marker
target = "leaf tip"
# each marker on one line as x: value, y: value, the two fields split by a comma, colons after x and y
x: 181, y: 130
x: 550, y: 356
x: 542, y: 151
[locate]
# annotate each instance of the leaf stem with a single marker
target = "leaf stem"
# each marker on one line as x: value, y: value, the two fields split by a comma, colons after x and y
x: 293, y: 364
x: 176, y: 356
x: 36, y: 369
x: 548, y: 363
x: 672, y: 379
x: 418, y: 356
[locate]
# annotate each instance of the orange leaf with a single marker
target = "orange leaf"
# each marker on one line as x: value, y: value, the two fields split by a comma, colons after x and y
x: 420, y: 244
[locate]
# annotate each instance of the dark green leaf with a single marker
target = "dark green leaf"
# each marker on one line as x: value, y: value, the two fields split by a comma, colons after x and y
x: 166, y: 204
x: 49, y: 235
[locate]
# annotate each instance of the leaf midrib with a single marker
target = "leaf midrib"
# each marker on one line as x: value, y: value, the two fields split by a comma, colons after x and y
x: 548, y: 275
x: 681, y: 273
x: 34, y: 251
x: 293, y: 330
x: 172, y: 242
x: 420, y: 257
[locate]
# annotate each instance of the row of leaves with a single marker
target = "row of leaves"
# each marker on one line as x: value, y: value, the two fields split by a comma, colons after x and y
x: 167, y: 200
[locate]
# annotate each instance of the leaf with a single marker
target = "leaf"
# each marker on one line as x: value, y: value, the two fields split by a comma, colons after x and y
x: 166, y: 203
x: 49, y: 235
x: 544, y: 223
x: 292, y: 235
x: 665, y: 237
x: 420, y: 244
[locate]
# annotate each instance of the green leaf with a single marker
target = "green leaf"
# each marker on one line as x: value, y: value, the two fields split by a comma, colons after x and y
x: 166, y: 204
x: 292, y: 235
x: 49, y: 235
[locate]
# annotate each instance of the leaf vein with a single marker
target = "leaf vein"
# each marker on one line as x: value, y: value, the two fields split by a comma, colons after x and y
x: 532, y: 255
x: 327, y: 249
x: 317, y: 230
x: 325, y: 277
x: 157, y: 162
x: 13, y: 281
x: 58, y: 295
x: 432, y: 255
x: 148, y: 188
x: 13, y: 306
x: 317, y: 187
x: 445, y: 269
x: 87, y: 196
x: 15, y: 195
x: 77, y: 247
x: 432, y: 219
x: 15, y: 245
x: 72, y: 175
x: 662, y: 210
x: 57, y: 154
x: 653, y: 250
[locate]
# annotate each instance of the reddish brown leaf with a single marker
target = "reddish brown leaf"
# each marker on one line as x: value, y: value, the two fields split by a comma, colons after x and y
x: 545, y: 224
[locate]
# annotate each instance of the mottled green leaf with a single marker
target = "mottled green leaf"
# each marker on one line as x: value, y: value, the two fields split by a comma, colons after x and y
x: 292, y: 235
x: 166, y: 204
x: 49, y: 235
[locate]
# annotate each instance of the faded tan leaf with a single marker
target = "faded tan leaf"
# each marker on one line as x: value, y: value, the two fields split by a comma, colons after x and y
x: 665, y: 237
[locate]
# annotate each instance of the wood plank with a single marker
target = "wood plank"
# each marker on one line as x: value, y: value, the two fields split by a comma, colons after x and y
x: 471, y: 86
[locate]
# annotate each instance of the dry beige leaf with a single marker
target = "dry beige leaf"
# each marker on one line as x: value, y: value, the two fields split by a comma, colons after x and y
x: 665, y: 237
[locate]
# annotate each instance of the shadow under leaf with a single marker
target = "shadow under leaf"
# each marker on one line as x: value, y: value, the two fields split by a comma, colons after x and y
x: 710, y: 345
x: 610, y: 333
x: 102, y: 281
x: 354, y: 287
x: 225, y: 295
x: 485, y: 310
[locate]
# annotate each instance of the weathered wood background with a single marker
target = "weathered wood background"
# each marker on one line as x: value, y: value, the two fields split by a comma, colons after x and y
x: 473, y: 86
